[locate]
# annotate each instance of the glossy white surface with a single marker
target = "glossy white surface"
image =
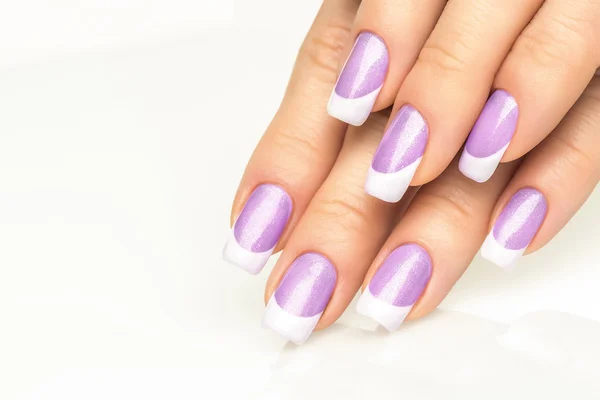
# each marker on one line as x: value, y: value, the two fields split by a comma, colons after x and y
x: 112, y: 221
x: 238, y: 256
x: 391, y: 187
x: 388, y: 315
x: 480, y: 169
x: 291, y: 327
x: 494, y: 252
x: 352, y: 111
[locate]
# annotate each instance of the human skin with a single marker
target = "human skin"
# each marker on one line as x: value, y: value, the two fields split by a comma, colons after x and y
x: 322, y: 164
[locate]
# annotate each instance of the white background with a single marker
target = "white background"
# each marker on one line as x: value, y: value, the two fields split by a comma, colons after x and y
x: 124, y: 129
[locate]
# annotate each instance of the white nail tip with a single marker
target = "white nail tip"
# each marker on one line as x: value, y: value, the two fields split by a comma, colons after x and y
x: 390, y: 187
x: 387, y: 315
x: 352, y: 111
x: 480, y: 169
x: 247, y: 260
x: 498, y: 254
x: 294, y: 328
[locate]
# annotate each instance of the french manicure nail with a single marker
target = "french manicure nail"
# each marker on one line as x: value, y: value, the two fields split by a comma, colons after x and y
x: 490, y: 137
x: 515, y: 228
x: 398, y: 156
x: 258, y: 228
x: 296, y: 306
x: 360, y: 81
x: 396, y: 286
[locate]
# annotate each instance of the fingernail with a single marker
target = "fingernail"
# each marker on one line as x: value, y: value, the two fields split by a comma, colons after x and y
x: 490, y: 137
x: 396, y: 286
x: 360, y: 81
x: 296, y: 306
x: 398, y: 156
x: 258, y: 228
x: 515, y: 228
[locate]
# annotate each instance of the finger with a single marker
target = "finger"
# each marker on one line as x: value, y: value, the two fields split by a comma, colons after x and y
x: 324, y: 262
x: 555, y: 179
x: 431, y: 247
x: 389, y: 35
x: 447, y: 88
x: 548, y: 68
x: 298, y: 149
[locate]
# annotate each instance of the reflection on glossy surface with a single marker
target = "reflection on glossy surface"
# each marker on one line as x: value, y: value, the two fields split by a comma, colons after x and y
x: 541, y: 355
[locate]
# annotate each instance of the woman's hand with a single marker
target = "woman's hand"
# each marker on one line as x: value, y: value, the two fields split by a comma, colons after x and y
x: 303, y: 189
x: 438, y: 61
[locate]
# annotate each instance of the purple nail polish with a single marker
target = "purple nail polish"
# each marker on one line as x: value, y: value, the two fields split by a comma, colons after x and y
x: 404, y: 141
x: 263, y: 218
x: 258, y: 228
x: 521, y: 219
x: 366, y: 68
x: 495, y: 126
x: 360, y: 81
x: 396, y: 286
x: 490, y: 137
x: 307, y: 286
x: 403, y: 276
x: 398, y: 156
x: 515, y: 228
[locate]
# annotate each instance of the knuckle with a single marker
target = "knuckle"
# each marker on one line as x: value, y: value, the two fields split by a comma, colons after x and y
x: 560, y: 43
x: 586, y: 114
x: 299, y: 149
x: 348, y: 213
x: 442, y: 58
x: 574, y: 160
x: 456, y: 49
x: 542, y: 49
x: 324, y: 48
x: 450, y: 202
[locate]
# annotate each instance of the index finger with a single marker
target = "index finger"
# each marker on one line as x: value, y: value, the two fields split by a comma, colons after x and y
x: 298, y: 149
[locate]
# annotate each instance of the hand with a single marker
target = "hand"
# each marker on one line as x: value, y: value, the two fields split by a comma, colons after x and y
x: 437, y: 62
x: 303, y: 188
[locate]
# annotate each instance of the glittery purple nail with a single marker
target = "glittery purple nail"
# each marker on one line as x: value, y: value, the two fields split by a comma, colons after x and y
x: 398, y: 156
x: 515, y: 228
x: 361, y: 80
x: 366, y: 68
x: 307, y: 286
x: 263, y: 218
x: 404, y: 141
x: 258, y: 228
x: 490, y: 137
x: 296, y: 306
x: 396, y: 286
x: 521, y: 219
x: 495, y: 126
x: 403, y: 276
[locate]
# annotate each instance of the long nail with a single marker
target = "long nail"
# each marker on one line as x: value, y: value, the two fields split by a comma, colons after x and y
x: 398, y: 156
x: 396, y: 286
x: 490, y: 137
x: 258, y: 228
x: 515, y: 228
x: 360, y: 81
x: 296, y: 306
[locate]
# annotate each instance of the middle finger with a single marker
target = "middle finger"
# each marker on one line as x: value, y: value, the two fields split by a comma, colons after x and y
x: 445, y: 91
